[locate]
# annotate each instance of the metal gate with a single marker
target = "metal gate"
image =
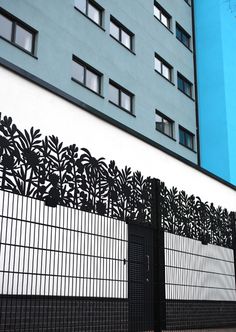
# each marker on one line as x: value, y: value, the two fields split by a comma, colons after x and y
x: 141, y: 314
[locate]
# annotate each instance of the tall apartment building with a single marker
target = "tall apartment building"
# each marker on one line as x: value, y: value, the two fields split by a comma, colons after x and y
x: 83, y: 82
x: 136, y: 71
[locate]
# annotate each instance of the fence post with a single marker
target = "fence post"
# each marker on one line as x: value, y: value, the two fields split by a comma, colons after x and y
x: 233, y: 224
x: 159, y: 306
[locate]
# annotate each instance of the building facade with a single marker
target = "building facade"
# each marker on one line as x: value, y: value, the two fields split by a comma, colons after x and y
x: 123, y: 68
x: 107, y: 220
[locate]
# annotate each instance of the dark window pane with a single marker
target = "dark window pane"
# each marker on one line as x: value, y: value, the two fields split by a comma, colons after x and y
x: 180, y: 84
x: 78, y: 72
x: 94, y: 14
x: 125, y: 101
x: 114, y: 94
x: 24, y: 38
x: 92, y: 81
x: 185, y: 40
x: 114, y: 30
x: 182, y: 137
x: 178, y: 33
x: 81, y: 5
x: 5, y: 27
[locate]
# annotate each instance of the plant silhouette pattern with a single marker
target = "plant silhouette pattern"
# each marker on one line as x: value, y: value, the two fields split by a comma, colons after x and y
x: 43, y: 168
x: 189, y: 216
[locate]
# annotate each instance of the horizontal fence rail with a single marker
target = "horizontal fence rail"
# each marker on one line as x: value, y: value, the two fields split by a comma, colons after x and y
x: 61, y: 258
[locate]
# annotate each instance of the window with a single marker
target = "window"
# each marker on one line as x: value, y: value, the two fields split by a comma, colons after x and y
x: 186, y: 138
x: 164, y: 124
x: 162, y: 15
x: 163, y: 68
x: 182, y: 36
x: 122, y: 34
x: 184, y: 85
x: 91, y: 9
x: 84, y: 74
x: 17, y: 32
x: 120, y: 97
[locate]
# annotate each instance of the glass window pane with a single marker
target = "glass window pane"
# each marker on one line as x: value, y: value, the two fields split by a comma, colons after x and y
x: 81, y: 5
x: 125, y: 101
x: 180, y: 84
x: 185, y: 39
x: 94, y: 14
x: 24, y: 38
x: 166, y: 71
x: 78, y: 72
x: 92, y: 81
x: 5, y: 27
x: 158, y: 65
x: 126, y: 39
x: 157, y: 12
x: 114, y: 30
x: 167, y: 127
x: 178, y: 33
x: 114, y: 94
x: 187, y: 88
x: 159, y: 123
x: 164, y: 20
x: 189, y: 140
x: 182, y: 137
x: 158, y: 118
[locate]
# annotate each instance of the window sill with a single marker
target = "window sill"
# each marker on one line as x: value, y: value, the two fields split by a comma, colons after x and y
x: 128, y: 49
x: 187, y: 147
x: 19, y: 47
x: 84, y: 86
x: 164, y: 25
x: 188, y: 48
x: 98, y: 25
x: 123, y: 109
x: 159, y: 131
x: 164, y: 77
x: 187, y: 95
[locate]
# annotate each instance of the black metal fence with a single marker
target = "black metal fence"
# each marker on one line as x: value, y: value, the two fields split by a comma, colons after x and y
x: 86, y: 246
x: 199, y: 256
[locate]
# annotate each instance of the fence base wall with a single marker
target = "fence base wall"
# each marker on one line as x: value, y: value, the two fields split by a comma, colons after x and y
x: 200, y: 314
x: 40, y: 313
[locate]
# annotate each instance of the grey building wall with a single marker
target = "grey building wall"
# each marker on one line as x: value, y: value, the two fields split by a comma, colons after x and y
x: 64, y: 31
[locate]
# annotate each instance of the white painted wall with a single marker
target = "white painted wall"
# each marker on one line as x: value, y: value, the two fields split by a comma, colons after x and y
x: 198, y: 272
x: 30, y: 105
x: 33, y: 237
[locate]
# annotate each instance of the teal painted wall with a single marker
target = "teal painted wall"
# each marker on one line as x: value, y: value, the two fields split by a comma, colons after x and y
x: 216, y: 68
x: 64, y: 31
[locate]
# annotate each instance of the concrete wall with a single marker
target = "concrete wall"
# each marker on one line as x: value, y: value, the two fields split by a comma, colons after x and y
x: 30, y: 105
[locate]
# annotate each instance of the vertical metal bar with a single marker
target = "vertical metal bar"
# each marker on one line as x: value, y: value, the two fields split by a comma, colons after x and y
x: 159, y: 306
